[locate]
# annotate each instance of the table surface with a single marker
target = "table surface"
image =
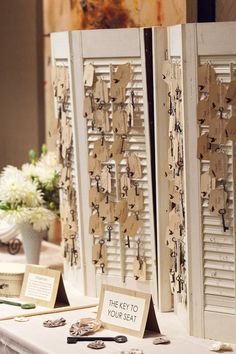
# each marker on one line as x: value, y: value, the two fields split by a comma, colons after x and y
x: 32, y: 338
x: 50, y: 256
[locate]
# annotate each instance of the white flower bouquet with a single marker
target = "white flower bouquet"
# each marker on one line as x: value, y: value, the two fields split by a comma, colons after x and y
x: 31, y: 194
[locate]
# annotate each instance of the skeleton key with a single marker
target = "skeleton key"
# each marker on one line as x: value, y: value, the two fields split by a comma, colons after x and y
x: 170, y: 110
x: 109, y: 229
x: 222, y: 212
x: 97, y: 179
x: 178, y: 279
x: 75, y: 257
x: 72, y: 212
x: 72, y: 237
x: 172, y: 274
x: 171, y: 144
x: 123, y: 137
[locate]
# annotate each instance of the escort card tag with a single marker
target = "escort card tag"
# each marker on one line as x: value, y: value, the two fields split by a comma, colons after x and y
x: 123, y: 75
x: 127, y: 311
x: 121, y: 210
x: 203, y: 147
x: 217, y: 130
x: 101, y: 150
x: 96, y: 226
x: 120, y: 122
x: 132, y: 226
x: 135, y: 199
x: 101, y: 91
x: 95, y: 197
x: 134, y: 165
x: 94, y: 166
x: 231, y: 129
x: 217, y: 200
x: 166, y: 71
x: 206, y: 76
x: 106, y: 211
x: 88, y: 75
x: 219, y: 165
x: 205, y: 184
x: 230, y: 96
x: 88, y: 109
x: 43, y: 287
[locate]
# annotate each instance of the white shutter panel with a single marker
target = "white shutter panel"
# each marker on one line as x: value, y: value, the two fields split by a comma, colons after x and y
x: 211, y: 251
x: 104, y: 48
x: 61, y: 58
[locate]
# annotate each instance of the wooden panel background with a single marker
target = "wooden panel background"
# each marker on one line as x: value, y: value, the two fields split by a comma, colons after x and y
x: 225, y: 10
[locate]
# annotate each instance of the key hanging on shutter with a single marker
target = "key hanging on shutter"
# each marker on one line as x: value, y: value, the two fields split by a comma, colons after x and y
x: 131, y: 110
x: 137, y: 265
x: 109, y: 229
x: 106, y: 179
x: 134, y: 165
x: 102, y: 255
x: 125, y: 184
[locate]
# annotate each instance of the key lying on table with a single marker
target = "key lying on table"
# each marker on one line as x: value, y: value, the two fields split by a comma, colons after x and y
x: 117, y: 339
x: 13, y: 303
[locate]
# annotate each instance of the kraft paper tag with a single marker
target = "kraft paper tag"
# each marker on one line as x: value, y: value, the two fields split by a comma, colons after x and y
x: 105, y: 180
x: 134, y: 165
x: 117, y: 93
x: 96, y: 226
x: 217, y: 96
x: 205, y: 184
x: 88, y: 108
x: 219, y: 165
x: 118, y: 149
x: 101, y: 91
x: 107, y: 211
x: 101, y: 150
x: 95, y: 197
x: 140, y: 269
x: 123, y: 75
x: 135, y: 199
x: 166, y: 71
x: 94, y: 166
x: 230, y: 96
x: 101, y: 119
x: 204, y: 112
x: 120, y: 122
x: 203, y: 147
x: 206, y: 76
x: 124, y: 184
x: 95, y: 253
x: 121, y: 211
x: 217, y: 130
x: 175, y: 224
x: 169, y: 239
x: 99, y: 254
x: 231, y: 129
x: 173, y: 193
x: 217, y: 200
x: 132, y: 226
x: 88, y: 77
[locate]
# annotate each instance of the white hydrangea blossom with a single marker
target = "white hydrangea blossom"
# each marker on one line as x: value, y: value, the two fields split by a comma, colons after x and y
x: 40, y: 218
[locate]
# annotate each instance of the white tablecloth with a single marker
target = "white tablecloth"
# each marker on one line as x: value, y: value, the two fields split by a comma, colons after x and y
x: 32, y: 338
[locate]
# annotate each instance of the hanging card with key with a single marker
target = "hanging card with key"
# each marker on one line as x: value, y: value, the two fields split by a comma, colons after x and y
x: 106, y: 180
x: 118, y: 149
x: 217, y: 96
x: 219, y: 165
x: 95, y: 197
x: 134, y: 165
x: 206, y: 76
x: 231, y: 129
x: 217, y: 200
x: 135, y: 199
x: 101, y: 120
x: 88, y: 107
x: 101, y: 150
x: 217, y: 130
x: 122, y: 75
x: 120, y: 121
x: 124, y: 184
x: 121, y: 211
x: 203, y: 147
x: 96, y: 226
x: 94, y: 166
x: 88, y: 77
x: 107, y: 211
x: 132, y: 226
x: 230, y: 96
x: 101, y: 91
x: 206, y: 184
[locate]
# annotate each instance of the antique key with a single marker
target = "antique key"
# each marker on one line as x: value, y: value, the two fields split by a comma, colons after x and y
x: 117, y: 339
x: 178, y: 279
x: 109, y: 229
x: 222, y: 212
